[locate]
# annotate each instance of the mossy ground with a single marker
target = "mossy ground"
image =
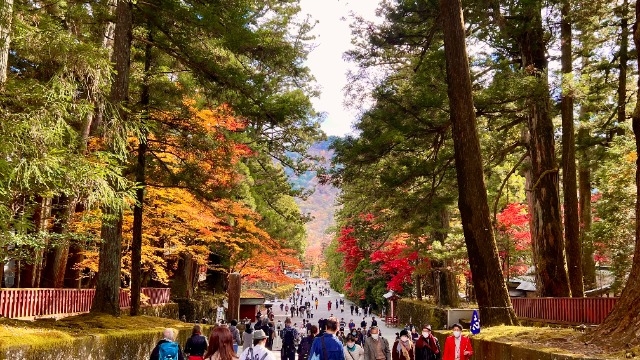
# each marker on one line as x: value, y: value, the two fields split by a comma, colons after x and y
x: 556, y: 340
x: 42, y: 333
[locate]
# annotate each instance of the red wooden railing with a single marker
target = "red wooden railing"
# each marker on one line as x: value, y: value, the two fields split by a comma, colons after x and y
x: 22, y: 303
x: 577, y: 311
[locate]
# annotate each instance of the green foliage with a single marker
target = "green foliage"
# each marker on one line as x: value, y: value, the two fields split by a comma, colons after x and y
x: 612, y: 231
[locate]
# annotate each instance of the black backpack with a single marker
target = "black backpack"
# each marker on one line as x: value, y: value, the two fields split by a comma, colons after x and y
x: 305, y: 347
x: 288, y: 340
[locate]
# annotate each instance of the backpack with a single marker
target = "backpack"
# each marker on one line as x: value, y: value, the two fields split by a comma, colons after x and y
x: 168, y: 351
x: 251, y: 357
x: 288, y: 340
x: 305, y: 347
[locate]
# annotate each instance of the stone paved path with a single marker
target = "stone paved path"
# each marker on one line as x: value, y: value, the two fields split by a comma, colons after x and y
x: 323, y: 312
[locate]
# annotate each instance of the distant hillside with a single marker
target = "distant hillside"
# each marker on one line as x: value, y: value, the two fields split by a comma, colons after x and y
x: 320, y: 205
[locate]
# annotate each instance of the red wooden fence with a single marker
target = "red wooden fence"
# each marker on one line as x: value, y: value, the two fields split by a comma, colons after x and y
x: 577, y: 311
x: 20, y: 303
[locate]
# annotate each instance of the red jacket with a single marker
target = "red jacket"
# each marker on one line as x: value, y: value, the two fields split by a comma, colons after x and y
x: 450, y: 348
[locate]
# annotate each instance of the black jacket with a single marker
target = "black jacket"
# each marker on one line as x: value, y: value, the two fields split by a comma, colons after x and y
x: 155, y: 354
x: 196, y: 345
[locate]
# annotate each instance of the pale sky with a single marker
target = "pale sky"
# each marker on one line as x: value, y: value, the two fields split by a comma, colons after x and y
x: 333, y: 38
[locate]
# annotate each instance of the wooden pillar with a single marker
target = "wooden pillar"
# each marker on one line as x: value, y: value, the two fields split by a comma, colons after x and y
x: 233, y: 294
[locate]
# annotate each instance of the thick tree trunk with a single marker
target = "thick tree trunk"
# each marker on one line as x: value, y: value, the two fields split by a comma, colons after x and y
x: 622, y: 67
x: 56, y: 263
x: 182, y: 284
x: 491, y: 292
x: 6, y: 15
x: 233, y: 296
x: 547, y: 220
x: 584, y: 185
x: 620, y: 328
x: 107, y: 298
x: 136, y: 243
x: 573, y: 246
x: 73, y: 276
x: 108, y: 281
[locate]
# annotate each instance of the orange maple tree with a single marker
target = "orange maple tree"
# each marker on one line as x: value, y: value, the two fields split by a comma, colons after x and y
x: 195, y: 164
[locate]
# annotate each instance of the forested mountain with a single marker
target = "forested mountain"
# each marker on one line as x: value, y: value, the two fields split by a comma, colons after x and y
x: 320, y: 206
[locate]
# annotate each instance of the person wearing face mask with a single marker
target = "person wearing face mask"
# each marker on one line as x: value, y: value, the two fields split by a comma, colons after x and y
x: 414, y: 334
x: 358, y: 336
x: 427, y: 347
x: 457, y: 346
x: 403, y: 348
x: 376, y: 347
x: 353, y: 351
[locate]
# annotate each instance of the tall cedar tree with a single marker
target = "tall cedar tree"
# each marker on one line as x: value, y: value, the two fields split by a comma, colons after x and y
x: 620, y: 327
x: 6, y: 13
x: 491, y: 292
x: 108, y: 282
x: 547, y: 219
x: 569, y: 180
x: 136, y: 241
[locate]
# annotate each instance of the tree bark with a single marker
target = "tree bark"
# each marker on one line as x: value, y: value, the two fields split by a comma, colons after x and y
x: 622, y: 67
x: 6, y: 17
x: 136, y: 243
x: 182, y: 284
x: 547, y: 219
x: 56, y: 263
x: 573, y: 246
x: 584, y: 185
x: 233, y: 296
x: 621, y: 326
x: 108, y: 279
x: 493, y: 298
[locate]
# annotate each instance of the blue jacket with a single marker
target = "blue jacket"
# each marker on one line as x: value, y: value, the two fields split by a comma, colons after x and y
x: 326, y: 347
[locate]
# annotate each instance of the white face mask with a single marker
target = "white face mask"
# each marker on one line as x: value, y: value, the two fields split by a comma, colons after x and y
x: 425, y: 333
x: 457, y: 333
x: 404, y: 338
x: 375, y: 336
x: 350, y: 344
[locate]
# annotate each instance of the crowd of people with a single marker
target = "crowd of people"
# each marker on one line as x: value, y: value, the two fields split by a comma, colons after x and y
x: 330, y: 339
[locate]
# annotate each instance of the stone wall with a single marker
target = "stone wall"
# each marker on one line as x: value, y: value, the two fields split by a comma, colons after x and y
x: 496, y: 350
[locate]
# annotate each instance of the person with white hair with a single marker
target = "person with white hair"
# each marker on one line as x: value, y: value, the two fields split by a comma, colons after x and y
x: 167, y: 348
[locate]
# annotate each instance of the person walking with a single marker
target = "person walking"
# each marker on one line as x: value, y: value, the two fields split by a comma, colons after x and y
x: 403, y: 348
x: 353, y: 351
x: 457, y: 346
x: 196, y: 344
x: 374, y: 322
x: 235, y: 335
x: 304, y: 348
x: 289, y: 337
x: 316, y: 303
x: 167, y: 348
x: 363, y: 323
x: 427, y: 347
x: 247, y: 336
x: 327, y: 346
x: 220, y: 345
x: 376, y: 347
x: 358, y: 336
x: 329, y: 305
x: 258, y: 351
x: 352, y: 308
